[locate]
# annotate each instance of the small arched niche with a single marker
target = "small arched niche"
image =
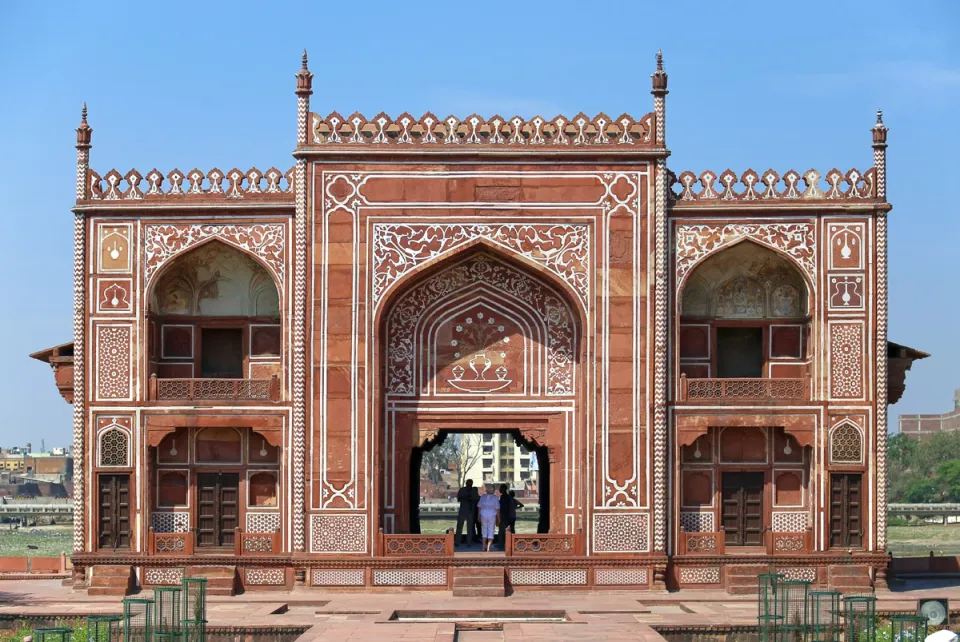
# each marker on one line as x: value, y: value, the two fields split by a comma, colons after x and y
x: 215, y: 313
x: 744, y: 314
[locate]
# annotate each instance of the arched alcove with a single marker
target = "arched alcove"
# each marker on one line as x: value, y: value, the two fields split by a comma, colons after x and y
x: 214, y: 312
x: 479, y: 333
x: 744, y: 314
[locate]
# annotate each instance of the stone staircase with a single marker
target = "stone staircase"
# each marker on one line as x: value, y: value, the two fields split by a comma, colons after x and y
x: 850, y: 579
x: 479, y: 581
x: 221, y: 580
x: 742, y: 579
x: 111, y: 580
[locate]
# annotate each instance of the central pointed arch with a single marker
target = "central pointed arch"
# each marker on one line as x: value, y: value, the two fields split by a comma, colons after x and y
x: 480, y: 340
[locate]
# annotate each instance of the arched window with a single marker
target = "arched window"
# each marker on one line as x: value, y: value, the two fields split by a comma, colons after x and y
x: 114, y: 448
x: 846, y: 444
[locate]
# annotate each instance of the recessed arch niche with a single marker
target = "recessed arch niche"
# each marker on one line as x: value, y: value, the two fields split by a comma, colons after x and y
x: 479, y: 332
x: 745, y: 313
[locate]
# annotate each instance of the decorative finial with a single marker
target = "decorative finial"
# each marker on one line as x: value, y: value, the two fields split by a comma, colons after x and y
x: 84, y: 131
x: 879, y: 131
x: 304, y: 78
x: 659, y: 77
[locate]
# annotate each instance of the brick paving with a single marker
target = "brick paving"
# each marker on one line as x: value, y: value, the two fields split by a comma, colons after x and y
x: 357, y: 616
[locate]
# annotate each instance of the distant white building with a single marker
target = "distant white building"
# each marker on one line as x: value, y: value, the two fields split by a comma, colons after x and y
x: 496, y: 458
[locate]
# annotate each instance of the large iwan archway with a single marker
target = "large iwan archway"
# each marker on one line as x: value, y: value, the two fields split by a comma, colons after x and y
x: 480, y: 343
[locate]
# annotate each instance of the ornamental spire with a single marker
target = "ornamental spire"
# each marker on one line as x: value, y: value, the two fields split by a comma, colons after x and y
x: 659, y: 77
x: 304, y: 78
x: 84, y: 131
x: 879, y: 131
x: 880, y: 157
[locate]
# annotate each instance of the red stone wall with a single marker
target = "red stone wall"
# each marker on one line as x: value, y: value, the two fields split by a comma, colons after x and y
x: 379, y: 231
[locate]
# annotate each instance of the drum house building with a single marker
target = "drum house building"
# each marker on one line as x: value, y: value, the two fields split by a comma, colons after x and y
x: 699, y: 361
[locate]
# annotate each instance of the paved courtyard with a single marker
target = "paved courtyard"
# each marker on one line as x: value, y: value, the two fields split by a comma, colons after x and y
x: 367, y: 616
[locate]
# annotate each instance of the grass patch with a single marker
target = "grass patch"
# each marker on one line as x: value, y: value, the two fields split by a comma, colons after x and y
x: 913, y: 541
x: 40, y: 541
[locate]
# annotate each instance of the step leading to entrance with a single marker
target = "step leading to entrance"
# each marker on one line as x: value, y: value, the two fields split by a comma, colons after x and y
x: 479, y: 581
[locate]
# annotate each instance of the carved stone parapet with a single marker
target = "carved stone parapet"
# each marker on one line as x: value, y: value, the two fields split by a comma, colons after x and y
x: 770, y: 187
x: 560, y: 133
x: 114, y: 187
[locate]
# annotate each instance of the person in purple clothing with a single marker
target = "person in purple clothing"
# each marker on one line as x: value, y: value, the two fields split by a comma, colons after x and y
x: 489, y: 514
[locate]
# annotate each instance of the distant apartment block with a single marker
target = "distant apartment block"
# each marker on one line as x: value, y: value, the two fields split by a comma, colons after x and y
x: 926, y: 425
x: 501, y: 460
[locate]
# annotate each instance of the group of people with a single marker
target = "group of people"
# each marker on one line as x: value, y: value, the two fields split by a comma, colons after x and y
x: 482, y: 514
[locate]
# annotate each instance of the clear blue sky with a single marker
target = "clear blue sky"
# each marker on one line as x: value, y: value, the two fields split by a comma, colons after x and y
x: 764, y: 84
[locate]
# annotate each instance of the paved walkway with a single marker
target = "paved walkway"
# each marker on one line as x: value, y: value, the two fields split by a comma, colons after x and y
x: 372, y: 615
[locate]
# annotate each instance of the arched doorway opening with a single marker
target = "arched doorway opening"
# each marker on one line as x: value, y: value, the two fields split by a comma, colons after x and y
x: 480, y: 343
x: 439, y: 468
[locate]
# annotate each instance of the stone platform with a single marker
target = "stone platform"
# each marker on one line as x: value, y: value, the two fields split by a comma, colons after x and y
x: 359, y: 616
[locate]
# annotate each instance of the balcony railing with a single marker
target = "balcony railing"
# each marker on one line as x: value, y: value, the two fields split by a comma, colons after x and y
x: 214, y: 389
x: 255, y: 543
x: 542, y: 544
x: 404, y: 545
x: 789, y: 543
x: 169, y: 543
x: 692, y: 543
x: 744, y: 389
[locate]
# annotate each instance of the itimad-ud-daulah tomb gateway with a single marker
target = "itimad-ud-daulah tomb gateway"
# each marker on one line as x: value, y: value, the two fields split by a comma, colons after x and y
x: 261, y: 357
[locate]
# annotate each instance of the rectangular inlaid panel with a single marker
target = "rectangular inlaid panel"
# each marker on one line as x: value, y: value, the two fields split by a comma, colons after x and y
x: 410, y: 577
x: 846, y: 360
x: 113, y: 349
x: 548, y: 577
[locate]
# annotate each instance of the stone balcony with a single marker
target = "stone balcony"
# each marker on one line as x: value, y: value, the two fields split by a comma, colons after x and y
x: 214, y: 390
x: 740, y: 390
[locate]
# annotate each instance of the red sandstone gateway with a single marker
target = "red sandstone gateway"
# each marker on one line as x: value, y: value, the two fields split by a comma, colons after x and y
x: 260, y: 357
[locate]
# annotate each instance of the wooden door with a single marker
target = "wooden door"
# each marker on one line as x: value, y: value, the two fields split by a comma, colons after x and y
x: 739, y: 352
x: 113, y: 492
x: 742, y: 509
x: 218, y: 506
x: 846, y: 511
x: 221, y: 353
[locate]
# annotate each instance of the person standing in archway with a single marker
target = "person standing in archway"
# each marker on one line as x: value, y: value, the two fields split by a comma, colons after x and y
x: 468, y: 497
x: 489, y: 514
x: 508, y: 515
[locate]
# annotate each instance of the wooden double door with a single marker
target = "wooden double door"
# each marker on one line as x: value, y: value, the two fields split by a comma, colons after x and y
x: 113, y: 496
x: 846, y: 510
x: 218, y: 509
x: 742, y: 508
